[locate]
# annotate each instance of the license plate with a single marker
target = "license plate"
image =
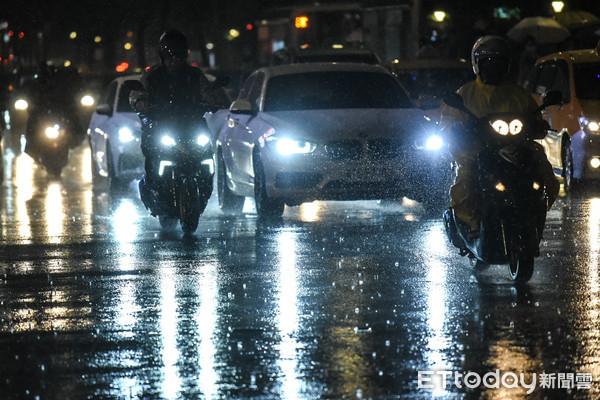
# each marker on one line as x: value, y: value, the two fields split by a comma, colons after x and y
x: 371, y: 173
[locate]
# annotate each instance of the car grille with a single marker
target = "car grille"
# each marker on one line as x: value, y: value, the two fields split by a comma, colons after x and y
x: 345, y: 150
x: 354, y: 149
x: 383, y: 148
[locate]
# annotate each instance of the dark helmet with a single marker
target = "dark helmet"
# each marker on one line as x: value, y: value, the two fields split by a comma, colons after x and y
x: 173, y: 44
x: 490, y: 59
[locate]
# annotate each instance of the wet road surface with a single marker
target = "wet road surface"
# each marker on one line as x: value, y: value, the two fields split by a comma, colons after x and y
x: 335, y: 300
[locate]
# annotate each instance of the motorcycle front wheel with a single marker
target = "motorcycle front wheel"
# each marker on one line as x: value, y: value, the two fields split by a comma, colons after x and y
x: 167, y: 223
x: 520, y: 265
x: 191, y: 204
x: 54, y: 163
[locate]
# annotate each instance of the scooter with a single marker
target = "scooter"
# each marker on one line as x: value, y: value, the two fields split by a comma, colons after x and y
x: 185, y: 165
x: 513, y: 197
x: 50, y: 134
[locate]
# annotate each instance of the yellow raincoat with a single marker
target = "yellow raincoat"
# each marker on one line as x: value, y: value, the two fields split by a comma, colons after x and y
x: 481, y: 100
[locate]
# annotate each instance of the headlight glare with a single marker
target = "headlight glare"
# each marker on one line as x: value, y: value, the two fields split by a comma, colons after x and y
x: 203, y: 140
x: 125, y: 135
x: 168, y: 141
x: 286, y: 146
x: 434, y: 142
x: 87, y: 101
x: 591, y: 125
x: 52, y: 131
x: 21, y: 104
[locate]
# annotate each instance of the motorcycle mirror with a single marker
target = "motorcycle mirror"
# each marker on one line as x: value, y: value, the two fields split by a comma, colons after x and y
x: 454, y: 100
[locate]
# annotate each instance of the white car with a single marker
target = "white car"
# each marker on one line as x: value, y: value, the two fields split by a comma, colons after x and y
x: 115, y: 133
x: 325, y: 131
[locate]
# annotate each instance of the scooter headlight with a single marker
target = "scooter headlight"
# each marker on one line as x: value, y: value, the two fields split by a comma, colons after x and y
x: 21, y: 105
x: 167, y: 141
x: 87, y: 101
x: 503, y: 128
x: 52, y: 131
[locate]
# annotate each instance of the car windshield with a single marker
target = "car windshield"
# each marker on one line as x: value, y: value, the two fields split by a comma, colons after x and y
x: 587, y: 80
x: 334, y: 89
x: 434, y: 81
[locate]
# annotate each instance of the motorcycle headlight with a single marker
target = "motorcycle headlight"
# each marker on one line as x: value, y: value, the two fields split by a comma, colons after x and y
x: 203, y: 140
x: 287, y: 146
x: 125, y: 135
x: 21, y: 104
x: 168, y: 141
x: 87, y: 101
x: 52, y: 131
x: 503, y: 128
x: 590, y: 125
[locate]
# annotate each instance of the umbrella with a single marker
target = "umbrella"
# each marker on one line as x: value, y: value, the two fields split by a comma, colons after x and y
x: 574, y: 18
x: 543, y: 29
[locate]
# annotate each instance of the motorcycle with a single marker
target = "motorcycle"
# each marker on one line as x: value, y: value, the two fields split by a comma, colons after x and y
x: 513, y: 197
x: 185, y: 165
x: 50, y: 135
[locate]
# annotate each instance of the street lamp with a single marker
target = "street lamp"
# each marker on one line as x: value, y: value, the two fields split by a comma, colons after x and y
x: 439, y: 16
x: 558, y: 6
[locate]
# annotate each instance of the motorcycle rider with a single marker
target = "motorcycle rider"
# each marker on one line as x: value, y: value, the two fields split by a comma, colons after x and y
x: 57, y: 89
x: 491, y: 92
x: 170, y: 89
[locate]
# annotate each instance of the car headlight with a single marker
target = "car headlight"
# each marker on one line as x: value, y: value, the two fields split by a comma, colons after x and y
x: 287, y: 146
x: 503, y: 128
x: 125, y: 135
x: 87, y: 101
x: 21, y: 104
x: 52, y: 131
x: 434, y: 143
x: 589, y: 125
x: 168, y: 141
x: 203, y: 140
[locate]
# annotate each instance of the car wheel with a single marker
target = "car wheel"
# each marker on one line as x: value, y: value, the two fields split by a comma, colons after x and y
x: 265, y: 206
x: 229, y: 203
x: 570, y: 183
x: 114, y: 182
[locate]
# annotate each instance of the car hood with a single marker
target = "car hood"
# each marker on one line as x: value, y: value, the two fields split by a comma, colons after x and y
x: 347, y: 124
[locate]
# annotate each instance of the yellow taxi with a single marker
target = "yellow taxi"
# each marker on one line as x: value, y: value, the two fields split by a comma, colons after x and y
x: 573, y: 144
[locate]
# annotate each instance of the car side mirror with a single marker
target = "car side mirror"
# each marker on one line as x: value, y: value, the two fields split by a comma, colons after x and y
x: 551, y: 98
x: 104, y: 109
x: 242, y: 107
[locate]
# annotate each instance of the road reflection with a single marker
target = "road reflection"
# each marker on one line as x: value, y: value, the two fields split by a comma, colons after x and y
x: 335, y: 300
